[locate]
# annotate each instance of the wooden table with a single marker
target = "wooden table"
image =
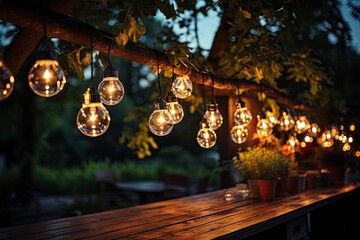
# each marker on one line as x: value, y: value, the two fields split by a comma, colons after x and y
x: 148, y: 191
x: 204, y: 216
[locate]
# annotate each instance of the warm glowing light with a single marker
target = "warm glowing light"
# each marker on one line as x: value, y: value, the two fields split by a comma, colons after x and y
x: 308, y: 139
x: 341, y: 127
x: 263, y: 126
x: 352, y: 127
x: 93, y: 119
x: 242, y: 115
x: 213, y: 115
x: 239, y: 134
x: 6, y: 81
x: 272, y: 118
x: 175, y: 109
x: 357, y: 153
x: 303, y: 144
x: 182, y: 87
x: 206, y: 137
x: 160, y: 121
x: 286, y: 121
x: 111, y: 88
x: 302, y: 124
x: 314, y: 130
x: 346, y: 147
x: 334, y: 130
x: 350, y: 139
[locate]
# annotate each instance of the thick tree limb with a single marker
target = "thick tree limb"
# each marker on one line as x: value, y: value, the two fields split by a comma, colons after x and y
x: 69, y: 29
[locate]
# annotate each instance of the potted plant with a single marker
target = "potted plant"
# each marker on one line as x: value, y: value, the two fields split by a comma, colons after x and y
x: 264, y: 164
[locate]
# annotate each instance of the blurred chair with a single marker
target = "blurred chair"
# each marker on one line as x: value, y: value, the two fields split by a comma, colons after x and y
x: 105, y: 181
x: 202, y: 184
x: 176, y: 186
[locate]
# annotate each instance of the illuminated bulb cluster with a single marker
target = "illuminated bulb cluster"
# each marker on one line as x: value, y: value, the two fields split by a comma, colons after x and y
x: 160, y: 121
x: 110, y: 88
x: 206, y: 137
x: 213, y: 115
x: 182, y: 87
x: 272, y: 118
x: 302, y: 124
x: 242, y: 119
x: 292, y: 142
x: 326, y: 140
x: 46, y: 77
x: 6, y: 81
x: 286, y: 121
x: 263, y: 126
x: 93, y: 119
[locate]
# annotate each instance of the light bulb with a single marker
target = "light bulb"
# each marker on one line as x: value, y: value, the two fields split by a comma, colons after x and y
x: 326, y: 140
x: 6, y: 81
x: 206, y: 137
x: 239, y: 134
x: 46, y: 77
x: 213, y: 115
x: 286, y: 121
x: 272, y: 118
x: 292, y: 141
x: 182, y: 87
x: 160, y: 121
x: 242, y: 115
x: 111, y: 89
x: 302, y: 124
x: 334, y: 130
x: 263, y: 126
x: 93, y: 119
x: 308, y: 139
x: 175, y: 109
x: 314, y: 130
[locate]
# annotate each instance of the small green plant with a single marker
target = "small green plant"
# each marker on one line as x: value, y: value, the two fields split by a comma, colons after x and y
x: 262, y: 163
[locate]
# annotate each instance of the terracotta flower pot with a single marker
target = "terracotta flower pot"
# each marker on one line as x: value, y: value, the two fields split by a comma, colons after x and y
x: 254, y: 188
x: 267, y: 189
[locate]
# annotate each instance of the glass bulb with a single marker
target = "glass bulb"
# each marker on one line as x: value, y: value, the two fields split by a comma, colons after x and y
x: 6, y: 81
x: 206, y: 137
x: 46, y: 78
x: 176, y: 112
x: 239, y: 134
x: 314, y: 130
x: 286, y: 121
x: 111, y: 88
x: 242, y: 115
x: 93, y: 119
x: 213, y: 115
x: 263, y: 126
x: 302, y: 124
x: 160, y: 121
x: 182, y: 87
x: 272, y: 118
x: 334, y: 130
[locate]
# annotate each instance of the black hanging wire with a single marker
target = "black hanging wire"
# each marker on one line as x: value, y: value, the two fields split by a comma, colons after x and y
x: 108, y: 55
x: 212, y: 89
x: 91, y: 58
x: 261, y: 97
x: 158, y: 68
x: 173, y: 72
x: 238, y: 90
x: 44, y: 26
x: 203, y: 90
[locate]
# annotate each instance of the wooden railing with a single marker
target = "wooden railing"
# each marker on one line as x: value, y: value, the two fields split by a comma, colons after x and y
x: 204, y: 216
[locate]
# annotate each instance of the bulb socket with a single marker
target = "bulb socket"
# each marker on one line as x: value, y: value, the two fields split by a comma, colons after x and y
x: 110, y: 71
x: 94, y: 96
x: 286, y: 110
x: 159, y: 104
x: 240, y: 103
x: 46, y: 52
x: 171, y: 97
x: 212, y: 106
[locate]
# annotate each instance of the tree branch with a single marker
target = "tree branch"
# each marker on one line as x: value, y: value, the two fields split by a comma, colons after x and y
x: 71, y: 30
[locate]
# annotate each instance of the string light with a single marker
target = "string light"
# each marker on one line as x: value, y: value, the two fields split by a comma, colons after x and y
x: 212, y: 113
x: 93, y: 119
x: 46, y: 77
x: 272, y: 118
x: 160, y: 121
x: 286, y: 121
x: 314, y: 130
x: 6, y: 81
x: 302, y: 124
x: 111, y: 88
x: 182, y: 87
x: 239, y: 134
x: 174, y: 107
x: 263, y: 126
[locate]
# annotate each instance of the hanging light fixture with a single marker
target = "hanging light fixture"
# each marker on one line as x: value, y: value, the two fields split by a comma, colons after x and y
x: 334, y: 130
x: 93, y: 119
x: 6, y: 81
x: 111, y: 88
x: 242, y: 115
x: 160, y: 121
x: 182, y: 87
x: 212, y: 113
x: 173, y: 106
x: 239, y: 134
x: 286, y: 121
x: 272, y: 118
x: 263, y: 126
x: 326, y: 140
x: 314, y: 130
x: 206, y: 137
x: 46, y: 77
x: 302, y: 124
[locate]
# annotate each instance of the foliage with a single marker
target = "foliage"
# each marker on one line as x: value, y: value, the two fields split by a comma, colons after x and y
x: 262, y: 163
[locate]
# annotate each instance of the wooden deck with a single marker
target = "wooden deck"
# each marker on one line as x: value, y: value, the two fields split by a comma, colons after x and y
x: 204, y: 216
